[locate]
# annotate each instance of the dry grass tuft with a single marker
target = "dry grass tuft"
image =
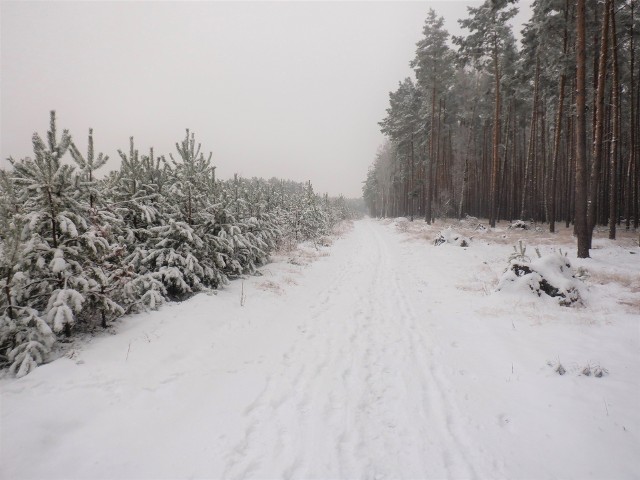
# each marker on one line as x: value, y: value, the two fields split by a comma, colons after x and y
x: 325, y: 241
x: 626, y: 280
x: 270, y: 286
x: 632, y: 304
x: 342, y: 228
x: 402, y: 225
x: 475, y: 287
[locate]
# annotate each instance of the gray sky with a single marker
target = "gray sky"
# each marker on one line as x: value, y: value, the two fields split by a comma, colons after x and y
x: 289, y: 89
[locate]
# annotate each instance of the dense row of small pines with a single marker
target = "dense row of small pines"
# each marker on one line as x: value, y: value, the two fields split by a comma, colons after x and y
x: 78, y: 251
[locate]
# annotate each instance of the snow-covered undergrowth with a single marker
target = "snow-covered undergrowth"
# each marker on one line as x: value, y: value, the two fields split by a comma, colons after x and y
x: 451, y: 237
x: 610, y: 270
x: 504, y: 346
x: 381, y: 356
x: 549, y: 276
x: 519, y: 224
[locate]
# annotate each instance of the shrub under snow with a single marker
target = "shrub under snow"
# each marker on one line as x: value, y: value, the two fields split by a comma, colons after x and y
x: 451, y: 237
x: 550, y: 275
x: 472, y: 223
x: 519, y: 224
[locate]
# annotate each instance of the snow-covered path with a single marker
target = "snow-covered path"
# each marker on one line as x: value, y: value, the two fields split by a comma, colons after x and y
x: 372, y: 362
x: 356, y: 394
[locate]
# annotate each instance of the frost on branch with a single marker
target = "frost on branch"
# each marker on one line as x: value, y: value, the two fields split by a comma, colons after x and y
x: 62, y: 305
x: 25, y: 342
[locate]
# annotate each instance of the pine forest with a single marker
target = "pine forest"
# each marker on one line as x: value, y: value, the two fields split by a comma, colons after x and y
x: 546, y: 132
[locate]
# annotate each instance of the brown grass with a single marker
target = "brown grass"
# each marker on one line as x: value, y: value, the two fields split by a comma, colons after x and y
x: 632, y: 304
x: 626, y: 280
x: 270, y: 286
x: 342, y: 228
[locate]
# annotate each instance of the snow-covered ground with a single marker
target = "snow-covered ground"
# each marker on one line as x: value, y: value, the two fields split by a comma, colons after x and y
x: 382, y: 356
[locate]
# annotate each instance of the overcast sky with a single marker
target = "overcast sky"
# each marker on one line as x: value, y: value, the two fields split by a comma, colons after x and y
x: 287, y: 89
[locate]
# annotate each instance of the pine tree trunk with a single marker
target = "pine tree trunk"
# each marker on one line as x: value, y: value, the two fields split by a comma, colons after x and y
x: 556, y: 152
x: 527, y: 189
x: 52, y: 215
x: 636, y: 167
x: 630, y: 198
x: 557, y: 133
x: 570, y: 148
x: 438, y: 172
x: 103, y: 315
x: 514, y: 162
x: 7, y: 292
x: 189, y: 206
x: 502, y: 186
x: 542, y: 210
x: 613, y: 153
x: 235, y: 195
x: 598, y: 124
x: 428, y: 180
x: 89, y: 159
x: 465, y: 175
x: 495, y: 159
x: 582, y: 228
x: 412, y: 181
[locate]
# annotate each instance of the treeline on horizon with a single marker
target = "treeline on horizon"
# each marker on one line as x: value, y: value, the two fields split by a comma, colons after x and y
x: 77, y: 252
x: 546, y: 132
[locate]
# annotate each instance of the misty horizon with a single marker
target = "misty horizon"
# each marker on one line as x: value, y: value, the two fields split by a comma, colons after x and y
x: 289, y: 90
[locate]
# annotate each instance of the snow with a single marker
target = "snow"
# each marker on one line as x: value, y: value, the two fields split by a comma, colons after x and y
x: 58, y: 263
x: 449, y: 236
x: 381, y: 356
x: 549, y: 276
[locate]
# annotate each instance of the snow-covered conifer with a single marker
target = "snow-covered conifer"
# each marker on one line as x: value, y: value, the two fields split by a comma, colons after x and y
x: 191, y: 176
x: 25, y: 338
x: 77, y: 252
x: 172, y: 255
x: 54, y: 230
x: 87, y: 166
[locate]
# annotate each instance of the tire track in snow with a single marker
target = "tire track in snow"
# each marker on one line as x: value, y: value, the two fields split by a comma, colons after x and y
x: 416, y: 432
x: 357, y: 394
x: 279, y: 416
x: 326, y: 438
x: 382, y: 438
x: 434, y: 388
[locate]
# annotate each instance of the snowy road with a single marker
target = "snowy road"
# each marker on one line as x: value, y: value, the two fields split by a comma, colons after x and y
x: 356, y: 394
x: 371, y: 362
